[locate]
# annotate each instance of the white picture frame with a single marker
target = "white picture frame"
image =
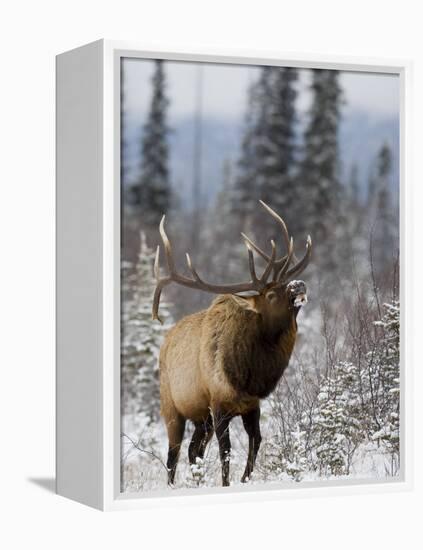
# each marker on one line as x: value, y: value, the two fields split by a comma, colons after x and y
x: 88, y: 277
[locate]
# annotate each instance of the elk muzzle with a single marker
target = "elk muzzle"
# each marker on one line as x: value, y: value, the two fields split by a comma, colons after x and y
x: 298, y: 293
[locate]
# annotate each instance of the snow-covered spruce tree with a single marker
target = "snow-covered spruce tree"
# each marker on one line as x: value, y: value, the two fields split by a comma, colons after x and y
x: 381, y: 212
x: 268, y: 148
x: 318, y: 178
x: 354, y: 187
x: 387, y: 357
x: 223, y: 257
x: 380, y: 176
x: 336, y: 430
x: 276, y: 150
x: 297, y: 463
x: 354, y: 247
x: 153, y: 191
x: 245, y: 193
x: 141, y: 338
x: 285, y: 453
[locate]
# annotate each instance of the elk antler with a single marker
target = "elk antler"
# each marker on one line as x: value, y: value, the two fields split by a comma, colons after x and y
x: 279, y: 267
x: 256, y: 283
x: 301, y: 265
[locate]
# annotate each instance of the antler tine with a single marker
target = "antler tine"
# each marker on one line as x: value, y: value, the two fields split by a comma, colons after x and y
x: 192, y: 269
x: 156, y: 302
x: 279, y: 220
x: 302, y: 264
x: 285, y: 266
x: 156, y: 267
x: 255, y: 247
x: 270, y: 264
x: 275, y: 263
x: 160, y: 284
x: 167, y: 247
x: 251, y: 265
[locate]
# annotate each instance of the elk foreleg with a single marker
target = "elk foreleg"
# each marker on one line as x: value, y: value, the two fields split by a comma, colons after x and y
x: 251, y: 421
x: 221, y: 427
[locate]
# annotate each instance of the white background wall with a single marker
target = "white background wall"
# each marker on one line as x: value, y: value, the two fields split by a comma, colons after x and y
x: 31, y: 34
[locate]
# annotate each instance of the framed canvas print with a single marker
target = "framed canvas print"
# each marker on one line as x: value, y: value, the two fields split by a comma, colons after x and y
x: 230, y: 276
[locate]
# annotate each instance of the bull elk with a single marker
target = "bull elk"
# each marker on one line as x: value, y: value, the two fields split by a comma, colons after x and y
x: 219, y: 363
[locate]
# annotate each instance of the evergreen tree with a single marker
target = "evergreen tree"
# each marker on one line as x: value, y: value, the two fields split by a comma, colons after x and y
x: 276, y: 150
x: 222, y: 257
x: 387, y: 361
x: 384, y: 237
x: 318, y: 180
x: 268, y: 148
x: 354, y: 245
x: 297, y: 464
x: 141, y: 338
x: 354, y: 188
x: 381, y: 198
x: 245, y: 193
x: 336, y: 430
x: 153, y: 192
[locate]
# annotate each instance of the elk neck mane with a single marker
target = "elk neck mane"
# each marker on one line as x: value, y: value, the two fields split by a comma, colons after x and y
x: 253, y: 357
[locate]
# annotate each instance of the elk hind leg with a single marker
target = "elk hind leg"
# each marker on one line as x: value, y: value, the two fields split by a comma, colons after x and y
x: 175, y: 430
x: 251, y: 421
x: 202, y: 434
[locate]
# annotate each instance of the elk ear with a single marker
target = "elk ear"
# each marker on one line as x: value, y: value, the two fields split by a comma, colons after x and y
x: 246, y: 302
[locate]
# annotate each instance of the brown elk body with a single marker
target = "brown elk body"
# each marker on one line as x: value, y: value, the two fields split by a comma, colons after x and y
x: 220, y: 362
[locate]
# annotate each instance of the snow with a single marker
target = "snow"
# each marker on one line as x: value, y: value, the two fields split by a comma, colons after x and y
x: 144, y: 472
x: 332, y: 436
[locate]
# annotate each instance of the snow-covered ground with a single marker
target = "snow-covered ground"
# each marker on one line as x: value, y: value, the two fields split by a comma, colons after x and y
x: 144, y: 451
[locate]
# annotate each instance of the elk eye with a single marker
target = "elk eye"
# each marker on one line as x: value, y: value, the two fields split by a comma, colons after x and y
x: 271, y: 296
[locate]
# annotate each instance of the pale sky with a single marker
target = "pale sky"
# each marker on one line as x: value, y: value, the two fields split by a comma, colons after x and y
x: 224, y: 89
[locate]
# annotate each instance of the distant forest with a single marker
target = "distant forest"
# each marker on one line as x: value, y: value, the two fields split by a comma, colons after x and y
x: 294, y: 167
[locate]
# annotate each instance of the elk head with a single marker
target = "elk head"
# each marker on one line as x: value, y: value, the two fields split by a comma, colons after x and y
x: 277, y: 293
